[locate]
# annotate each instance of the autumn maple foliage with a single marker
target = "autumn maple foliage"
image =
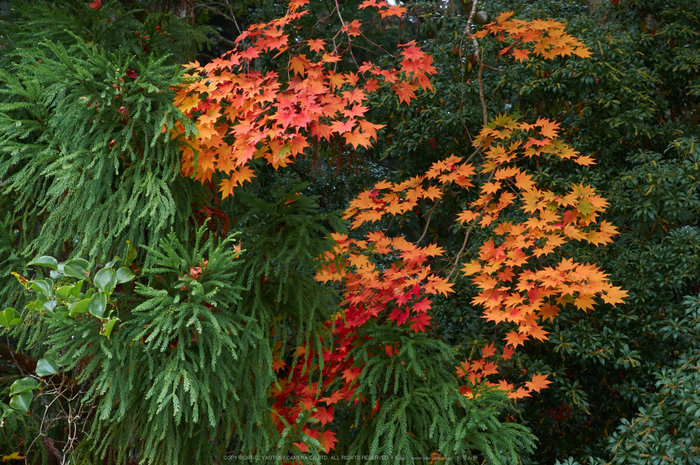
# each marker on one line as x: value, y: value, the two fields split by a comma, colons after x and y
x: 273, y: 118
x: 243, y: 114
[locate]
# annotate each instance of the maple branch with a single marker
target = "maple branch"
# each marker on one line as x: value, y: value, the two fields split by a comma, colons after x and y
x: 378, y: 46
x: 477, y: 57
x: 337, y: 8
x: 466, y: 236
x: 223, y: 40
x: 217, y: 10
x: 494, y: 69
x: 427, y: 223
x: 464, y: 245
x: 342, y: 22
x: 233, y: 17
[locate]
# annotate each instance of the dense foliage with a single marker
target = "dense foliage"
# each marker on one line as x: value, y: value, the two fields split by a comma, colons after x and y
x: 485, y: 162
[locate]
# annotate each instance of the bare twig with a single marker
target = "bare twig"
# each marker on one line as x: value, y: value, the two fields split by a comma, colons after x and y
x: 494, y: 69
x: 217, y: 9
x: 224, y: 41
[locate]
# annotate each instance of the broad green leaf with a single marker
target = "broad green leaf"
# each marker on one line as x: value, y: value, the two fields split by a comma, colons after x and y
x: 9, y: 317
x: 103, y: 279
x: 61, y: 310
x: 56, y: 275
x: 38, y: 303
x: 79, y: 307
x: 107, y: 327
x: 98, y: 304
x: 124, y: 275
x: 22, y: 401
x: 22, y: 385
x: 46, y: 261
x: 47, y: 366
x: 64, y: 292
x: 76, y: 268
x: 45, y: 286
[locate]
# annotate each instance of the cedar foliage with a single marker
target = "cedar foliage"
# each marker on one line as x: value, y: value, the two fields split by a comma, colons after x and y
x: 84, y: 157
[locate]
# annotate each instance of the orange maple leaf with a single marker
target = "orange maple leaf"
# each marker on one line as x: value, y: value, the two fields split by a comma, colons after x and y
x: 538, y: 382
x: 357, y: 138
x: 515, y: 339
x: 520, y: 54
x: 316, y: 45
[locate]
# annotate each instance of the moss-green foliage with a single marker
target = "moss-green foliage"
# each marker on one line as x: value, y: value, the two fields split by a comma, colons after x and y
x: 186, y: 373
x: 283, y: 237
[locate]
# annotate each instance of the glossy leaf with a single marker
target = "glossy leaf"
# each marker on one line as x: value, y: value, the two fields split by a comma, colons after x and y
x: 23, y: 385
x: 108, y: 326
x: 47, y: 366
x: 105, y: 279
x: 98, y: 304
x: 124, y: 275
x: 46, y: 261
x: 22, y: 401
x: 76, y: 268
x: 79, y: 307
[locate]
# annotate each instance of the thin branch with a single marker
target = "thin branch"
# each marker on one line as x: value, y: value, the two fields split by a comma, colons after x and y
x: 233, y: 17
x: 224, y: 41
x: 218, y: 10
x: 466, y: 236
x: 427, y: 223
x: 464, y: 245
x: 494, y: 69
x: 477, y: 57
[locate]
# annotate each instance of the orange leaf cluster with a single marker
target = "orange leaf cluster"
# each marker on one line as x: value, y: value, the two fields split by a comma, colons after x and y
x: 396, y: 199
x: 241, y: 114
x: 547, y: 39
x: 515, y: 287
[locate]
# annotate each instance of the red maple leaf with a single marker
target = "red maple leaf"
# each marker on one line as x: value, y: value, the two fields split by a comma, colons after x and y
x: 422, y: 306
x: 328, y: 440
x: 419, y: 322
x: 324, y: 415
x: 351, y: 374
x: 332, y: 399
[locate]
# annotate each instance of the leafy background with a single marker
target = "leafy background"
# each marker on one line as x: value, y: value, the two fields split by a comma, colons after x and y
x: 625, y: 379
